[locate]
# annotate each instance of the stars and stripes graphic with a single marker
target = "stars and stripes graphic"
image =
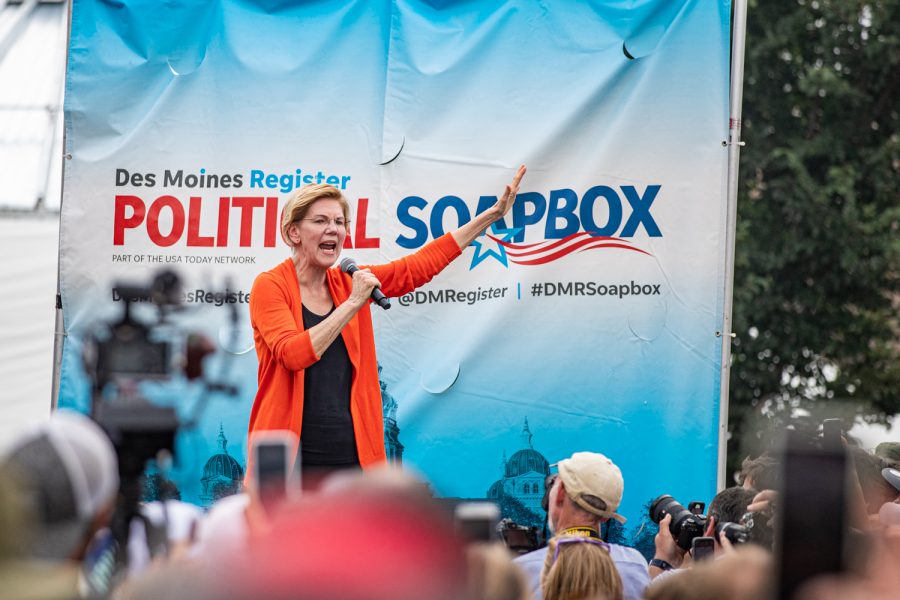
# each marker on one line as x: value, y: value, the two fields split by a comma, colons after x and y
x: 540, y: 253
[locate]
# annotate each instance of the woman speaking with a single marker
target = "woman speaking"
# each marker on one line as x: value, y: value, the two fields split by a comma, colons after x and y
x: 316, y: 348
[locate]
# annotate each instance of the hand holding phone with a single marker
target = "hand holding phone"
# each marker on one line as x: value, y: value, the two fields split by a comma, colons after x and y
x: 703, y: 548
x: 812, y: 523
x: 832, y: 434
x: 273, y: 475
x: 477, y: 521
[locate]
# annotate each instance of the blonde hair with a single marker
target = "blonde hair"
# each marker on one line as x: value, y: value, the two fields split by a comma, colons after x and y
x: 579, y: 568
x: 298, y: 205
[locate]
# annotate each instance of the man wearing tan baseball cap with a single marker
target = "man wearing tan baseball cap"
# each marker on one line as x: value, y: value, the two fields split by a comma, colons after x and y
x: 593, y: 482
x: 587, y: 492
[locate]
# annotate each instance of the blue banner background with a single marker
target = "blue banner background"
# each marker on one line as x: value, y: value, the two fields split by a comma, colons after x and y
x: 432, y: 100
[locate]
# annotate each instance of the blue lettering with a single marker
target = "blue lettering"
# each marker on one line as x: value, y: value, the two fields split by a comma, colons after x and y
x: 587, y: 210
x: 417, y: 225
x: 522, y: 218
x: 566, y: 211
x: 256, y: 177
x: 437, y: 214
x: 640, y: 211
x: 562, y: 215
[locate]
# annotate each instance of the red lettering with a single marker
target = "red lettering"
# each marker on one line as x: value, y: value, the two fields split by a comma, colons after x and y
x: 121, y: 222
x: 362, y: 241
x: 222, y: 234
x: 247, y: 204
x: 194, y: 238
x: 156, y: 208
x: 271, y: 221
x: 131, y: 212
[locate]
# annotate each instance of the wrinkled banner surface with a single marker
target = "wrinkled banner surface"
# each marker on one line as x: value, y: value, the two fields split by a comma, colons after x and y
x: 590, y: 311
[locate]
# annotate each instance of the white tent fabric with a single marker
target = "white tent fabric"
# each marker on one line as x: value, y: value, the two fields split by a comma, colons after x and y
x: 28, y: 247
x: 32, y: 59
x: 31, y: 82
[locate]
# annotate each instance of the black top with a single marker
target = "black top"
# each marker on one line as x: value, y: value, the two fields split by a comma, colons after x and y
x: 326, y: 435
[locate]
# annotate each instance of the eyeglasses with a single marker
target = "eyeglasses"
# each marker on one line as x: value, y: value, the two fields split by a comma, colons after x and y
x: 577, y: 540
x: 323, y: 222
x: 549, y: 480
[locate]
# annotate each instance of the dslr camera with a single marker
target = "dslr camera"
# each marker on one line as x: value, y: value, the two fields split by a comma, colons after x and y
x: 687, y: 525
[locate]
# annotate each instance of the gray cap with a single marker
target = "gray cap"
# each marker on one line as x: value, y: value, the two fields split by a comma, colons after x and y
x: 66, y: 473
x: 892, y: 476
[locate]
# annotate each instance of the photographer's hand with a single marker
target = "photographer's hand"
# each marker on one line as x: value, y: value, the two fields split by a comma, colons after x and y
x: 764, y: 504
x: 722, y: 544
x: 725, y: 545
x: 763, y: 501
x: 667, y: 548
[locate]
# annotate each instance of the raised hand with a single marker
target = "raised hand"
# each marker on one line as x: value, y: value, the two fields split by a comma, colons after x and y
x: 506, y: 200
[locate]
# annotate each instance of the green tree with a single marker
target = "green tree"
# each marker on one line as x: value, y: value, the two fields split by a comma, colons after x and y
x: 816, y: 275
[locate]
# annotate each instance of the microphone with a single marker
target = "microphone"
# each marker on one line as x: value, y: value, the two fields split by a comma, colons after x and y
x: 348, y: 266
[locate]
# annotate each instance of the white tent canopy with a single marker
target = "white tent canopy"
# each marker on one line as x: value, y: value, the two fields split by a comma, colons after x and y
x: 32, y: 62
x: 28, y: 271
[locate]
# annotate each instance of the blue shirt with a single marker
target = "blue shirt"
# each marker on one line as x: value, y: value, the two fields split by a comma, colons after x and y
x: 630, y: 563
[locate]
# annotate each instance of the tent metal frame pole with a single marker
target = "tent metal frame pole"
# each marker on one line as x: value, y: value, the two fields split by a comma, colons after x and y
x: 59, y: 330
x: 59, y: 335
x: 734, y: 143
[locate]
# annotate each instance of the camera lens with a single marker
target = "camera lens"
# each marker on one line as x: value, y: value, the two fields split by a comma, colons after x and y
x: 685, y: 525
x: 663, y: 506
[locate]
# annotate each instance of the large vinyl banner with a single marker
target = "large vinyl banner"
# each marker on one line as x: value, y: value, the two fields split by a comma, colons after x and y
x: 587, y: 319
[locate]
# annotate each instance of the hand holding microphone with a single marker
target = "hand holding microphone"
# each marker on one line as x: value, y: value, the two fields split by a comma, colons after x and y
x: 365, y: 281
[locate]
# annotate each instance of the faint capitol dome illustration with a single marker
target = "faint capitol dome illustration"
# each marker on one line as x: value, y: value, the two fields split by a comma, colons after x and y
x: 527, y: 460
x: 495, y: 491
x: 392, y: 446
x: 222, y: 474
x: 521, y: 485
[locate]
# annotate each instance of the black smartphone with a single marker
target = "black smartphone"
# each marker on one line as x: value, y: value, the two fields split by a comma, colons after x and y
x: 477, y: 521
x: 273, y: 475
x: 832, y: 433
x: 703, y: 548
x: 812, y: 513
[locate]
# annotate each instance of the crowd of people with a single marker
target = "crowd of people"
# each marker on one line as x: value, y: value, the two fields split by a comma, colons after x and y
x: 379, y: 534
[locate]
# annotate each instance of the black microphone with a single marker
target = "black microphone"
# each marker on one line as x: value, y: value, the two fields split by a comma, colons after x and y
x: 348, y: 266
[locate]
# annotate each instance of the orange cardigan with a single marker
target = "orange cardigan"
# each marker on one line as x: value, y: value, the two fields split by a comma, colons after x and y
x: 284, y: 348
